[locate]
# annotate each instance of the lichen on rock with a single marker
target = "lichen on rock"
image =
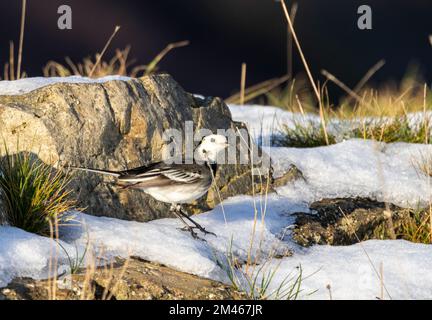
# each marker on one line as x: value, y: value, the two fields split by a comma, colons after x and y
x: 345, y: 221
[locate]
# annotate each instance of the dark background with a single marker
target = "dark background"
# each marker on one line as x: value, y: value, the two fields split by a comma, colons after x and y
x: 225, y: 33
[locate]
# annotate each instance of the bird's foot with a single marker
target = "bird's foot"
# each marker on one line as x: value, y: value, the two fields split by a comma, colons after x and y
x: 200, y: 228
x: 203, y: 230
x: 193, y: 233
x: 197, y: 225
x: 183, y: 216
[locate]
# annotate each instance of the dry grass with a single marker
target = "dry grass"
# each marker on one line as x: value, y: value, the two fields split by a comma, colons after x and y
x: 242, y: 83
x: 100, y: 55
x: 413, y: 225
x: 257, y: 281
x: 9, y: 72
x: 310, y: 135
x: 380, y: 114
x: 390, y: 100
x: 255, y: 274
x: 385, y: 114
x: 21, y: 41
x: 97, y: 264
x: 303, y: 135
x: 294, y: 96
x: 388, y: 105
x: 423, y: 164
x: 84, y: 268
x: 417, y: 227
x: 317, y: 92
x: 120, y: 64
x: 256, y: 91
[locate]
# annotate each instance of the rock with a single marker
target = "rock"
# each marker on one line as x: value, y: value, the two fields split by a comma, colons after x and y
x: 292, y: 174
x: 115, y: 125
x: 141, y: 280
x: 348, y: 221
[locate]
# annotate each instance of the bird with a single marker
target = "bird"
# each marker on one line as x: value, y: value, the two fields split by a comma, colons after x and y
x: 175, y: 184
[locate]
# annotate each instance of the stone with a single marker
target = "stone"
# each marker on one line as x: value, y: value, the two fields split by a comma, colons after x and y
x: 345, y: 221
x: 292, y: 174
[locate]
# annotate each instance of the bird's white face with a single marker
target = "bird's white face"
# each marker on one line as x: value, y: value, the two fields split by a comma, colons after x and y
x: 211, y: 145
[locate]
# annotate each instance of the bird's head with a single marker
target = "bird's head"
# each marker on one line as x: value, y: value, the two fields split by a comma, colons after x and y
x: 210, y: 147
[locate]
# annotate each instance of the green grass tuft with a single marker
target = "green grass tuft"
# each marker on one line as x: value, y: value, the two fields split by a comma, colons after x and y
x: 308, y: 135
x: 396, y: 129
x: 417, y: 227
x: 34, y: 195
x: 412, y: 225
x: 256, y: 283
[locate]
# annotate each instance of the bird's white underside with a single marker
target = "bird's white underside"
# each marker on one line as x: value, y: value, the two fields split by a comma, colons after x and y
x: 177, y: 193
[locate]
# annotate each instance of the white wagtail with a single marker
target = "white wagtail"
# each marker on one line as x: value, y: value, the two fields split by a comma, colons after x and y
x: 175, y: 183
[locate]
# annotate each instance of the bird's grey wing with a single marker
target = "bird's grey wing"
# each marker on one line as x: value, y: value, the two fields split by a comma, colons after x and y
x: 142, y: 173
x: 161, y: 174
x: 183, y: 174
x: 141, y: 170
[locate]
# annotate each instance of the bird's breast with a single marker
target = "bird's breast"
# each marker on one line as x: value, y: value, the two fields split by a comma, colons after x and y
x: 179, y: 193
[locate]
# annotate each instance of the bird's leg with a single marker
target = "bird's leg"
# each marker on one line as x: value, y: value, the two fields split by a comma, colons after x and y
x: 187, y: 227
x: 197, y: 225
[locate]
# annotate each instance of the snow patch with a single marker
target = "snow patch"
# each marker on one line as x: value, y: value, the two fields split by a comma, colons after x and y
x: 386, y: 172
x: 406, y: 271
x: 22, y: 86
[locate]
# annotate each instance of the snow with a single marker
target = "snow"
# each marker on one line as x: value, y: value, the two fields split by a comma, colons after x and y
x: 406, y: 266
x: 267, y: 122
x: 22, y: 86
x: 405, y: 270
x: 347, y: 169
x: 263, y: 123
x: 24, y: 254
x: 355, y: 167
x: 386, y: 172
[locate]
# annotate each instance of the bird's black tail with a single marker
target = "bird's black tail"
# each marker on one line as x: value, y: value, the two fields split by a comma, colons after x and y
x: 105, y: 172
